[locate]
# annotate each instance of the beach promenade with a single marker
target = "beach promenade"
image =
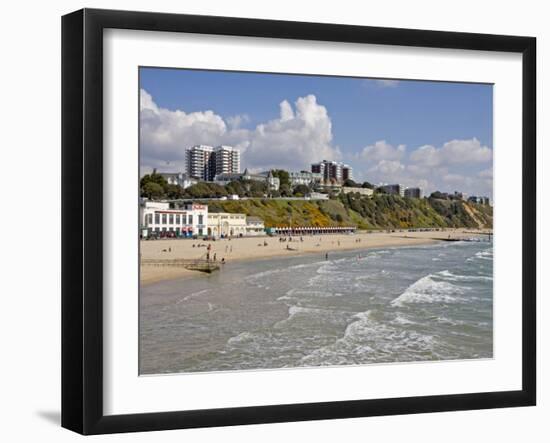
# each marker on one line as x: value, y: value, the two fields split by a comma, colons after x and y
x: 249, y: 248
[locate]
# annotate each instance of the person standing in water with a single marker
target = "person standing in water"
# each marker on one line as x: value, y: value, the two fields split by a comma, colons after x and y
x: 326, y: 256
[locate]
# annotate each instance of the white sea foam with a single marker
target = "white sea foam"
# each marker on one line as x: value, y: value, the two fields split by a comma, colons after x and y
x: 448, y: 321
x: 427, y: 290
x: 401, y: 320
x: 294, y: 311
x: 447, y: 275
x: 302, y: 293
x: 485, y: 255
x: 482, y: 255
x: 259, y: 279
x: 192, y: 295
x: 367, y: 339
x: 243, y: 337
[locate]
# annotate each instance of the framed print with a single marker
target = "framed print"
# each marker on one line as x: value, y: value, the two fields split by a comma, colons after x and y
x: 269, y: 221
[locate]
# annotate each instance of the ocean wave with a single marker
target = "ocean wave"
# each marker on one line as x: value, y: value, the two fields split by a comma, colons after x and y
x: 447, y: 275
x: 307, y: 265
x: 447, y: 321
x: 366, y: 339
x: 258, y: 278
x: 243, y: 337
x: 428, y: 290
x: 301, y: 293
x: 192, y: 295
x: 294, y: 311
x: 487, y: 254
x: 401, y: 320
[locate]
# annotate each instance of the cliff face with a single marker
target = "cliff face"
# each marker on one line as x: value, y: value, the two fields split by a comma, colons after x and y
x: 378, y: 212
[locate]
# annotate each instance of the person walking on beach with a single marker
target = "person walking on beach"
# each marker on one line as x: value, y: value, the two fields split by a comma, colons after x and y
x: 326, y: 256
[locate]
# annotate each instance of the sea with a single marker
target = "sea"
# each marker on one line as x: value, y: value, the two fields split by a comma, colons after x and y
x: 388, y: 305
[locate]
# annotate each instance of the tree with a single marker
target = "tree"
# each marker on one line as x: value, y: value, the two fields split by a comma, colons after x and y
x: 256, y: 188
x: 205, y: 190
x: 217, y: 190
x: 367, y: 185
x: 284, y: 177
x: 301, y: 190
x: 439, y: 195
x: 350, y: 183
x: 155, y: 186
x: 235, y: 187
x: 154, y: 177
x: 174, y: 192
x: 285, y: 190
x: 152, y: 191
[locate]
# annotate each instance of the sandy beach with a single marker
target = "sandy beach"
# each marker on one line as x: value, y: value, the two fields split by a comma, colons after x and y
x: 249, y: 248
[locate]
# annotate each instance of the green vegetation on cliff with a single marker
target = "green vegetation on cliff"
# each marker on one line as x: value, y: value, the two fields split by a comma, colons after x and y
x: 377, y: 212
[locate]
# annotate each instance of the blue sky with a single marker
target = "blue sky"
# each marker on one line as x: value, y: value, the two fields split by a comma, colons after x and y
x: 430, y: 134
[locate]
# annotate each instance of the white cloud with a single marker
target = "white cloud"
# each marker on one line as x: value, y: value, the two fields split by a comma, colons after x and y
x: 388, y: 167
x: 235, y: 121
x: 164, y: 134
x: 297, y: 138
x: 286, y: 111
x: 452, y: 152
x: 486, y: 173
x: 462, y: 165
x: 455, y: 179
x: 381, y: 150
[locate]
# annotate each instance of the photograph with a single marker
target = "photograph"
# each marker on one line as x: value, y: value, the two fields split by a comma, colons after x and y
x: 295, y: 221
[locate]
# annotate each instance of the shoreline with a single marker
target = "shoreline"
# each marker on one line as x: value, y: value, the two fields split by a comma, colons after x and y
x: 262, y: 247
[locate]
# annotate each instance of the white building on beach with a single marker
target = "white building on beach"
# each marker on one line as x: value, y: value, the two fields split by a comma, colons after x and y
x: 159, y: 220
x: 226, y: 224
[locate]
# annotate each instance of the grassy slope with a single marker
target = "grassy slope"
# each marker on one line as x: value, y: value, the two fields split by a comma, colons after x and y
x: 379, y: 212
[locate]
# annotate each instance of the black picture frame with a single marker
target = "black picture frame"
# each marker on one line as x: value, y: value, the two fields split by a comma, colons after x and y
x: 82, y: 218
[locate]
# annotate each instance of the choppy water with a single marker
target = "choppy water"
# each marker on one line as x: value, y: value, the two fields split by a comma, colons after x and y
x: 430, y: 302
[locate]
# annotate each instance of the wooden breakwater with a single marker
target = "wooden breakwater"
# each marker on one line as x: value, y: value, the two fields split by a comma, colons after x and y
x: 201, y: 265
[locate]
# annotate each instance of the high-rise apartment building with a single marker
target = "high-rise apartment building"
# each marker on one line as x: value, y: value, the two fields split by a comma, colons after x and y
x: 413, y: 193
x: 395, y: 189
x: 200, y: 162
x: 205, y: 162
x: 332, y: 171
x: 228, y: 160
